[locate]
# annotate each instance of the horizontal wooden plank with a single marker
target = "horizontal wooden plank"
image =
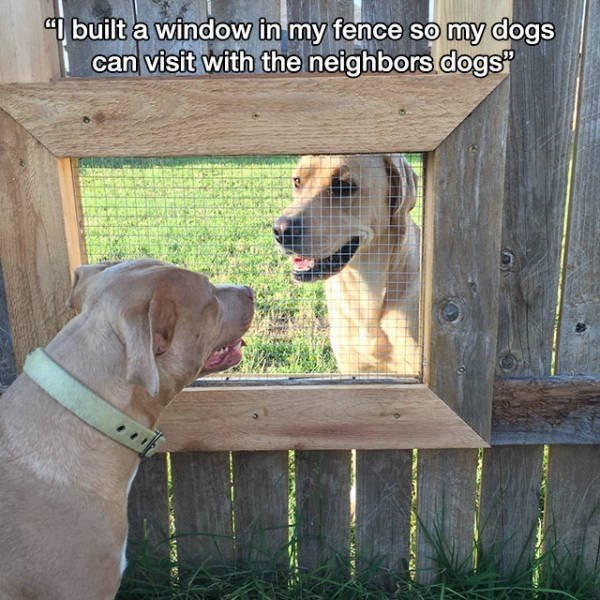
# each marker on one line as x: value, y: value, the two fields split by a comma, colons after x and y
x: 546, y: 410
x: 244, y: 115
x: 317, y: 418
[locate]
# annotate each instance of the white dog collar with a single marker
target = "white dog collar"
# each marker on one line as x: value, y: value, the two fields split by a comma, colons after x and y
x: 90, y: 407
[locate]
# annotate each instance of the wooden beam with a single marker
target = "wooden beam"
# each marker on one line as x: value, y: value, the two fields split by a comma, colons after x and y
x: 245, y: 115
x: 374, y: 416
x: 546, y: 410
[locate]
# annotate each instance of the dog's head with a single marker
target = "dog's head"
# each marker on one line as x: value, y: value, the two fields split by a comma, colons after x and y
x: 340, y: 204
x: 173, y: 323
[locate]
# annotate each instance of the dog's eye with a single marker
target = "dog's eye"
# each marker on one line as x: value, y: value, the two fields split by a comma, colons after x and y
x: 296, y: 181
x: 342, y: 187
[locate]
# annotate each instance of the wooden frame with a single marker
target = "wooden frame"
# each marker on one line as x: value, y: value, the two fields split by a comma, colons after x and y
x: 448, y: 115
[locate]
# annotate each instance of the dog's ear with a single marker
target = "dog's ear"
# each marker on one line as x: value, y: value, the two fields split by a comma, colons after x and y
x: 82, y: 276
x: 147, y: 331
x: 402, y: 184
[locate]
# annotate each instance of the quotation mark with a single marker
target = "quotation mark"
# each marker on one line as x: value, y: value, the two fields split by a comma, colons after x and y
x: 56, y: 23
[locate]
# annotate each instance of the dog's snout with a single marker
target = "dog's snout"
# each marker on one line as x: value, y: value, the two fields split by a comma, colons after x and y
x: 248, y: 291
x: 288, y: 232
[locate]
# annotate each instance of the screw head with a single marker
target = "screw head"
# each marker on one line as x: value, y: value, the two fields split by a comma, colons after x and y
x: 402, y: 112
x: 450, y: 311
x: 508, y: 362
x: 86, y: 119
x: 507, y: 259
x: 580, y: 327
x: 473, y: 148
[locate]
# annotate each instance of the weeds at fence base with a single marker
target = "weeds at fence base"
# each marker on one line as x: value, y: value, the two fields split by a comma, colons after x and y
x: 149, y: 577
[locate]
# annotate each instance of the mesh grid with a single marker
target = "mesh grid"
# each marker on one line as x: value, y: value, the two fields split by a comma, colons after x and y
x: 217, y: 216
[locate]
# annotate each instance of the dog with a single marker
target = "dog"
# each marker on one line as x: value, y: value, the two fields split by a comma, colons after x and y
x: 349, y: 224
x: 144, y: 331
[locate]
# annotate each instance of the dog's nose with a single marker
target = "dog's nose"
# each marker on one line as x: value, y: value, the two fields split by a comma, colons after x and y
x: 288, y: 232
x: 249, y: 292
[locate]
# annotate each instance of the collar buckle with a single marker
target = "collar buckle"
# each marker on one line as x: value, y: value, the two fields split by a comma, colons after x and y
x: 152, y: 446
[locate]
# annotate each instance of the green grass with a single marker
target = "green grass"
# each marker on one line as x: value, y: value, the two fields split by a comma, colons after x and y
x: 148, y: 577
x: 213, y: 215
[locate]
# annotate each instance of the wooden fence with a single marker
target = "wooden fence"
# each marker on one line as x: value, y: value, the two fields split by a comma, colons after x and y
x: 547, y: 390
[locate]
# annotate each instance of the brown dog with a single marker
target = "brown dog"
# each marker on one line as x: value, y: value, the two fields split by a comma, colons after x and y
x: 349, y: 223
x: 145, y: 330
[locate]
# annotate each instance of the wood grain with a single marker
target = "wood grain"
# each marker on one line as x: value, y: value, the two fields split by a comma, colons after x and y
x: 181, y: 116
x: 546, y: 410
x: 383, y: 478
x: 536, y: 179
x: 40, y: 62
x: 464, y: 188
x: 392, y: 11
x: 383, y: 501
x: 261, y: 506
x: 81, y: 52
x: 319, y: 11
x: 202, y: 507
x: 161, y: 11
x: 573, y: 501
x: 471, y: 11
x: 29, y: 52
x: 149, y: 521
x: 248, y: 12
x: 318, y: 417
x: 323, y: 510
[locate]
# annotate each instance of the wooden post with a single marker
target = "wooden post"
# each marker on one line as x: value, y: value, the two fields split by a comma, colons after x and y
x: 467, y: 170
x: 572, y: 515
x: 384, y: 479
x: 39, y: 239
x: 537, y: 165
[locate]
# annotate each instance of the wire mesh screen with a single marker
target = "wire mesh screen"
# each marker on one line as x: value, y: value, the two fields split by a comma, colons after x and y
x: 330, y: 244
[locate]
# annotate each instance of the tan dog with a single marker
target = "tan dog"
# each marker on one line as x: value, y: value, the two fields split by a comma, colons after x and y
x: 145, y: 330
x: 349, y: 223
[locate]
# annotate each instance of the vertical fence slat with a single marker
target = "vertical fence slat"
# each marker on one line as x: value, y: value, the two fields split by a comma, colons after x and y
x: 323, y: 508
x: 383, y: 479
x: 319, y: 11
x: 148, y: 510
x: 573, y: 501
x: 468, y: 167
x: 202, y: 507
x: 29, y: 53
x: 261, y: 506
x: 536, y: 180
x: 160, y: 11
x: 81, y: 52
x: 383, y: 502
x: 260, y: 478
x: 248, y: 12
x: 322, y: 477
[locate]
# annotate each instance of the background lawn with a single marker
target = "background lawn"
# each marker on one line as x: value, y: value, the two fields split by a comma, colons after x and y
x: 214, y: 215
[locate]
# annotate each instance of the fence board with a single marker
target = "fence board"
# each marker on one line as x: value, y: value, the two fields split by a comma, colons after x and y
x: 202, y: 507
x: 467, y: 167
x: 323, y: 509
x: 390, y: 11
x: 383, y: 503
x: 40, y: 62
x: 536, y: 180
x: 319, y: 11
x: 261, y: 506
x: 149, y: 520
x: 249, y: 12
x: 322, y: 477
x: 384, y: 479
x: 81, y: 52
x: 573, y: 502
x: 161, y: 11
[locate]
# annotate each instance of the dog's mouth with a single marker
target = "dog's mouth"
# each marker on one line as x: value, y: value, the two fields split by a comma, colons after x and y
x: 313, y: 269
x: 225, y: 357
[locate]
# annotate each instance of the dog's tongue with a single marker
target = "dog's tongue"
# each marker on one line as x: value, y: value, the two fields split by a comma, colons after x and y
x: 302, y: 264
